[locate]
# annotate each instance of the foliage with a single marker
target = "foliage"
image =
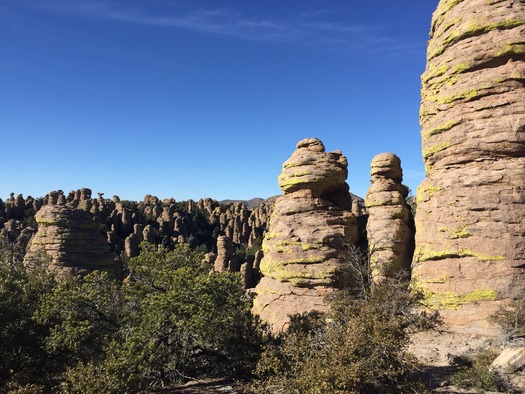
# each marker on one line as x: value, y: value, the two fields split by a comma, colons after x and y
x: 512, y: 318
x: 82, y: 314
x: 474, y: 371
x: 256, y: 246
x: 361, y: 347
x: 24, y: 360
x: 185, y: 321
x: 171, y: 320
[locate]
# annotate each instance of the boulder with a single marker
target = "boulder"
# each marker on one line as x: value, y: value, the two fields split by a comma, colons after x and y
x: 70, y: 238
x: 510, y: 360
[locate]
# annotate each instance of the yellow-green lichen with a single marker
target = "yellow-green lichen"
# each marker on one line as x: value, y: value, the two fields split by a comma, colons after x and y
x: 466, y: 95
x: 511, y: 49
x: 279, y: 270
x: 440, y: 280
x: 461, y: 68
x: 431, y: 73
x: 479, y: 256
x: 441, y: 128
x: 450, y: 300
x: 426, y: 254
x: 460, y: 233
x: 305, y: 246
x: 442, y: 9
x: 474, y: 29
x: 423, y: 254
x: 427, y: 152
x: 425, y: 190
x: 471, y: 30
x: 271, y: 235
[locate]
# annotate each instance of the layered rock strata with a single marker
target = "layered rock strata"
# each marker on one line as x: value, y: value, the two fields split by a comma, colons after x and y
x: 70, y: 238
x: 470, y: 241
x: 390, y: 227
x: 308, y: 234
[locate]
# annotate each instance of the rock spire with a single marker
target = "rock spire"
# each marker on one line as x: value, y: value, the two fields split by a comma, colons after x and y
x: 308, y: 234
x: 390, y: 227
x: 470, y: 243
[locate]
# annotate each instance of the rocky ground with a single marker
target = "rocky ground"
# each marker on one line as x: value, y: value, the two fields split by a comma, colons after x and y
x: 433, y: 349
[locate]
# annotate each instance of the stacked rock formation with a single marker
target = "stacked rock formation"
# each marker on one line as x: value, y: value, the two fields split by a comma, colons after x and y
x: 224, y: 254
x: 128, y: 223
x: 470, y: 243
x: 71, y: 239
x: 390, y: 227
x: 308, y: 234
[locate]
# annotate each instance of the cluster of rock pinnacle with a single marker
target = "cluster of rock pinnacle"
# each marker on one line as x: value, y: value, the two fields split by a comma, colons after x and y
x: 468, y: 252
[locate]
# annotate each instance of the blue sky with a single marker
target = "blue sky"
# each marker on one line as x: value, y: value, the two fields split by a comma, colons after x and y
x: 203, y: 98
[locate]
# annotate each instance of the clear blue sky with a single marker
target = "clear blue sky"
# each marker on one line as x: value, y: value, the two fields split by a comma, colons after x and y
x: 204, y: 98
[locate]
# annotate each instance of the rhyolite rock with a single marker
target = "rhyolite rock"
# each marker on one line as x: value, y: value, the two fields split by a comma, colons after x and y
x: 308, y: 235
x: 390, y: 227
x: 470, y: 241
x: 70, y: 238
x: 224, y: 254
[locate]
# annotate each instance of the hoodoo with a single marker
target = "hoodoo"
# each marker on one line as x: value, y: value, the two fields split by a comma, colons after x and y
x: 390, y: 226
x: 470, y: 240
x: 308, y: 235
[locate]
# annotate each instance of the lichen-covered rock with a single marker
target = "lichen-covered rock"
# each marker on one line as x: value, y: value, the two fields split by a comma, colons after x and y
x: 470, y: 244
x: 70, y: 238
x: 308, y: 234
x: 390, y: 226
x: 322, y: 172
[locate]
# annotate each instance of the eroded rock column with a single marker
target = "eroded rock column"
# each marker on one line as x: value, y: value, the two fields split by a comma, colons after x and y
x: 470, y: 240
x: 308, y: 234
x: 390, y: 226
x: 70, y: 238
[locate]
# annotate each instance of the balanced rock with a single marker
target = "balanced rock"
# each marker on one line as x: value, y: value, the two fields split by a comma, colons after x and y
x: 71, y: 240
x: 390, y: 227
x: 470, y: 244
x: 308, y: 235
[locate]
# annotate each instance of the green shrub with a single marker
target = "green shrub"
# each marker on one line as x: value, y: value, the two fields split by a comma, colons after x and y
x: 512, y: 318
x: 361, y: 347
x: 171, y: 320
x: 25, y: 366
x: 474, y: 371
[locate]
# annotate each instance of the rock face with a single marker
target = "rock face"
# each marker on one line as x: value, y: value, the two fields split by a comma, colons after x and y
x: 390, y: 227
x: 470, y: 243
x: 71, y: 239
x: 224, y: 253
x: 308, y: 231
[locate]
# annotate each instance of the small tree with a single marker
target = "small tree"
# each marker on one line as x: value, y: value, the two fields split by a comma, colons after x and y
x: 171, y: 321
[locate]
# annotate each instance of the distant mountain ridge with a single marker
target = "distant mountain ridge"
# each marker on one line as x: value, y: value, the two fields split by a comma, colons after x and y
x: 255, y: 202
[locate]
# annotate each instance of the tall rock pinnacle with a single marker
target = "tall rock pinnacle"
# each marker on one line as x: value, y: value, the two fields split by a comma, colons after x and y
x: 470, y: 240
x: 390, y: 226
x: 308, y: 235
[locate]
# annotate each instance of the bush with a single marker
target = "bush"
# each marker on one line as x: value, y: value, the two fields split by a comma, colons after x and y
x: 172, y: 320
x: 512, y: 318
x: 474, y: 371
x: 361, y: 347
x: 25, y: 365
